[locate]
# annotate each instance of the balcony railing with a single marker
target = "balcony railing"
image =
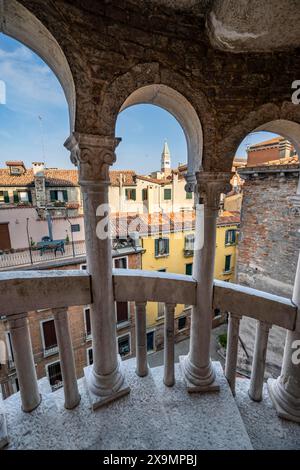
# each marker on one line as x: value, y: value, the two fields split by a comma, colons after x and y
x: 25, y: 291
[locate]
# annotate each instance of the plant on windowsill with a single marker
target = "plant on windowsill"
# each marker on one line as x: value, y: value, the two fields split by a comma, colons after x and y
x: 222, y: 342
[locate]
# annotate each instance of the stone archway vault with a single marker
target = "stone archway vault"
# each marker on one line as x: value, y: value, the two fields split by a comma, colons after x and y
x: 176, y: 104
x: 16, y: 21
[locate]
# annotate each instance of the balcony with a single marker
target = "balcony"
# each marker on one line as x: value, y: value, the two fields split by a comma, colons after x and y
x: 158, y: 413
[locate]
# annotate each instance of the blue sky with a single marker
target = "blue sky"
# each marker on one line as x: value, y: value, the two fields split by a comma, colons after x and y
x: 32, y: 90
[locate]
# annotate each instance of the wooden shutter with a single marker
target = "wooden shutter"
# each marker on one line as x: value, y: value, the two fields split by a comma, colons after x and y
x: 122, y: 312
x: 88, y: 322
x: 49, y: 334
x: 65, y: 195
x: 6, y: 197
x: 156, y: 247
x: 16, y: 197
x: 53, y: 195
x: 29, y: 196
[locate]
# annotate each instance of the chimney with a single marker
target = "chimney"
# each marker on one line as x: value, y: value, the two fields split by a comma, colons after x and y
x: 38, y: 168
x: 39, y: 183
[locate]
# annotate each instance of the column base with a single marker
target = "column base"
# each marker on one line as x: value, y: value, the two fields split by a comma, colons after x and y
x: 287, y: 406
x: 103, y: 389
x: 196, y: 379
x: 3, y: 431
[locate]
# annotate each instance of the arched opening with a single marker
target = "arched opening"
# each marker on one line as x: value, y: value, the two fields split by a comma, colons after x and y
x: 20, y: 24
x: 269, y: 240
x: 177, y: 105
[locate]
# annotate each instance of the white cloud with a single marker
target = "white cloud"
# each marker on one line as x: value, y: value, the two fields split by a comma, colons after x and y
x: 29, y: 81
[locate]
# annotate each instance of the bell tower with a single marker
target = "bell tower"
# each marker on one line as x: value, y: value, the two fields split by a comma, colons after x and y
x: 166, y: 159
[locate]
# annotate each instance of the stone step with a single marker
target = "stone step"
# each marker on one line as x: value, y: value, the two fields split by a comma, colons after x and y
x: 203, y: 421
x: 265, y: 429
x: 39, y: 430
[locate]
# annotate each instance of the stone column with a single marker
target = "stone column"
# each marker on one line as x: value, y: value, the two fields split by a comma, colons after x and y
x: 285, y: 391
x: 93, y: 155
x: 66, y: 356
x: 197, y: 367
x: 24, y: 361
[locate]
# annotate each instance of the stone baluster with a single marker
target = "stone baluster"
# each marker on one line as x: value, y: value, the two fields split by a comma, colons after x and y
x: 169, y: 375
x: 259, y: 360
x: 285, y: 390
x: 93, y: 155
x: 196, y: 366
x: 232, y: 350
x: 141, y: 339
x: 24, y: 361
x: 66, y: 355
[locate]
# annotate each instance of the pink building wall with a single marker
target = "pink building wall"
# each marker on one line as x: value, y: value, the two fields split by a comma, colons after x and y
x: 16, y: 217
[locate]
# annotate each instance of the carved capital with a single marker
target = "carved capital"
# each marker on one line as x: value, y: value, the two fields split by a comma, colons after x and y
x: 211, y: 185
x: 93, y: 155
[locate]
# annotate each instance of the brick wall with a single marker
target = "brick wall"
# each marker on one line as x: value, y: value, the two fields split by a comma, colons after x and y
x: 267, y: 252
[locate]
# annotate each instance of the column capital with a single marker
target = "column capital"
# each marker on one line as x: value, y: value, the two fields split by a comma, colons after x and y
x: 92, y: 154
x: 211, y: 185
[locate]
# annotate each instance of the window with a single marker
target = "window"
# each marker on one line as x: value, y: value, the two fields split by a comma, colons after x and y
x: 230, y: 237
x: 167, y: 194
x: 124, y: 345
x: 227, y: 263
x: 161, y: 247
x: 83, y: 267
x: 59, y: 195
x: 54, y: 375
x: 160, y: 309
x: 130, y: 194
x: 49, y: 337
x: 181, y: 323
x: 189, y: 195
x: 4, y: 197
x: 87, y: 321
x: 10, y: 353
x: 122, y: 312
x: 189, y: 269
x: 15, y: 385
x: 22, y: 196
x: 120, y: 262
x: 189, y: 242
x: 150, y: 341
x: 90, y: 359
x: 145, y: 194
x: 14, y: 170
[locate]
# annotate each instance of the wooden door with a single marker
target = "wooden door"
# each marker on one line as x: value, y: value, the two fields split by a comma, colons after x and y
x: 4, y: 237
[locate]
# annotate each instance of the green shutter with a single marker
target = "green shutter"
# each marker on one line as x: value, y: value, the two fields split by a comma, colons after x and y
x: 53, y: 195
x: 6, y: 197
x: 227, y: 262
x: 133, y: 194
x: 65, y: 195
x: 167, y: 194
x: 189, y: 269
x: 16, y: 197
x: 29, y: 196
x: 156, y: 241
x: 167, y: 246
x: 189, y: 195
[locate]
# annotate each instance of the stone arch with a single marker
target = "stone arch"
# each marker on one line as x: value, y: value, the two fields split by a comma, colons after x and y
x: 150, y: 84
x: 16, y: 21
x: 284, y: 120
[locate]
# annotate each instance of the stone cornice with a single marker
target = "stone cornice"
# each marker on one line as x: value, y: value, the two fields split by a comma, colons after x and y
x: 93, y: 155
x: 211, y: 185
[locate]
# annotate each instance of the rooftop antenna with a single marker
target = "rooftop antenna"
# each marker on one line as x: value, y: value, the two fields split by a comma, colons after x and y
x: 42, y: 137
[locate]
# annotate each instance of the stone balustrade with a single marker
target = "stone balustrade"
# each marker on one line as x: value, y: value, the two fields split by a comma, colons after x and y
x: 26, y: 291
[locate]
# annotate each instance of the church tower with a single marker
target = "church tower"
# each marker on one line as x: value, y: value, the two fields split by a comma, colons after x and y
x: 166, y: 159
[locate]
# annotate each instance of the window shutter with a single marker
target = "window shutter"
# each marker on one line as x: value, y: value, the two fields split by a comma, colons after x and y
x: 156, y: 247
x: 49, y: 334
x: 29, y: 196
x: 122, y: 312
x: 65, y: 195
x: 134, y: 194
x: 233, y: 236
x: 16, y: 197
x: 6, y: 197
x: 53, y: 195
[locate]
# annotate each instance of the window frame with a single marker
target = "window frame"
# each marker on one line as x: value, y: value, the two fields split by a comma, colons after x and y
x: 181, y: 317
x: 156, y: 252
x: 128, y: 191
x: 53, y: 388
x: 123, y: 336
x: 231, y: 243
x: 168, y: 191
x: 149, y: 351
x: 88, y: 357
x: 230, y: 267
x: 120, y: 257
x: 88, y: 337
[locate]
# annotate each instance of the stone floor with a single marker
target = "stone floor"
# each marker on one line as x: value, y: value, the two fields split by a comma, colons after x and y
x: 265, y: 429
x: 152, y: 416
